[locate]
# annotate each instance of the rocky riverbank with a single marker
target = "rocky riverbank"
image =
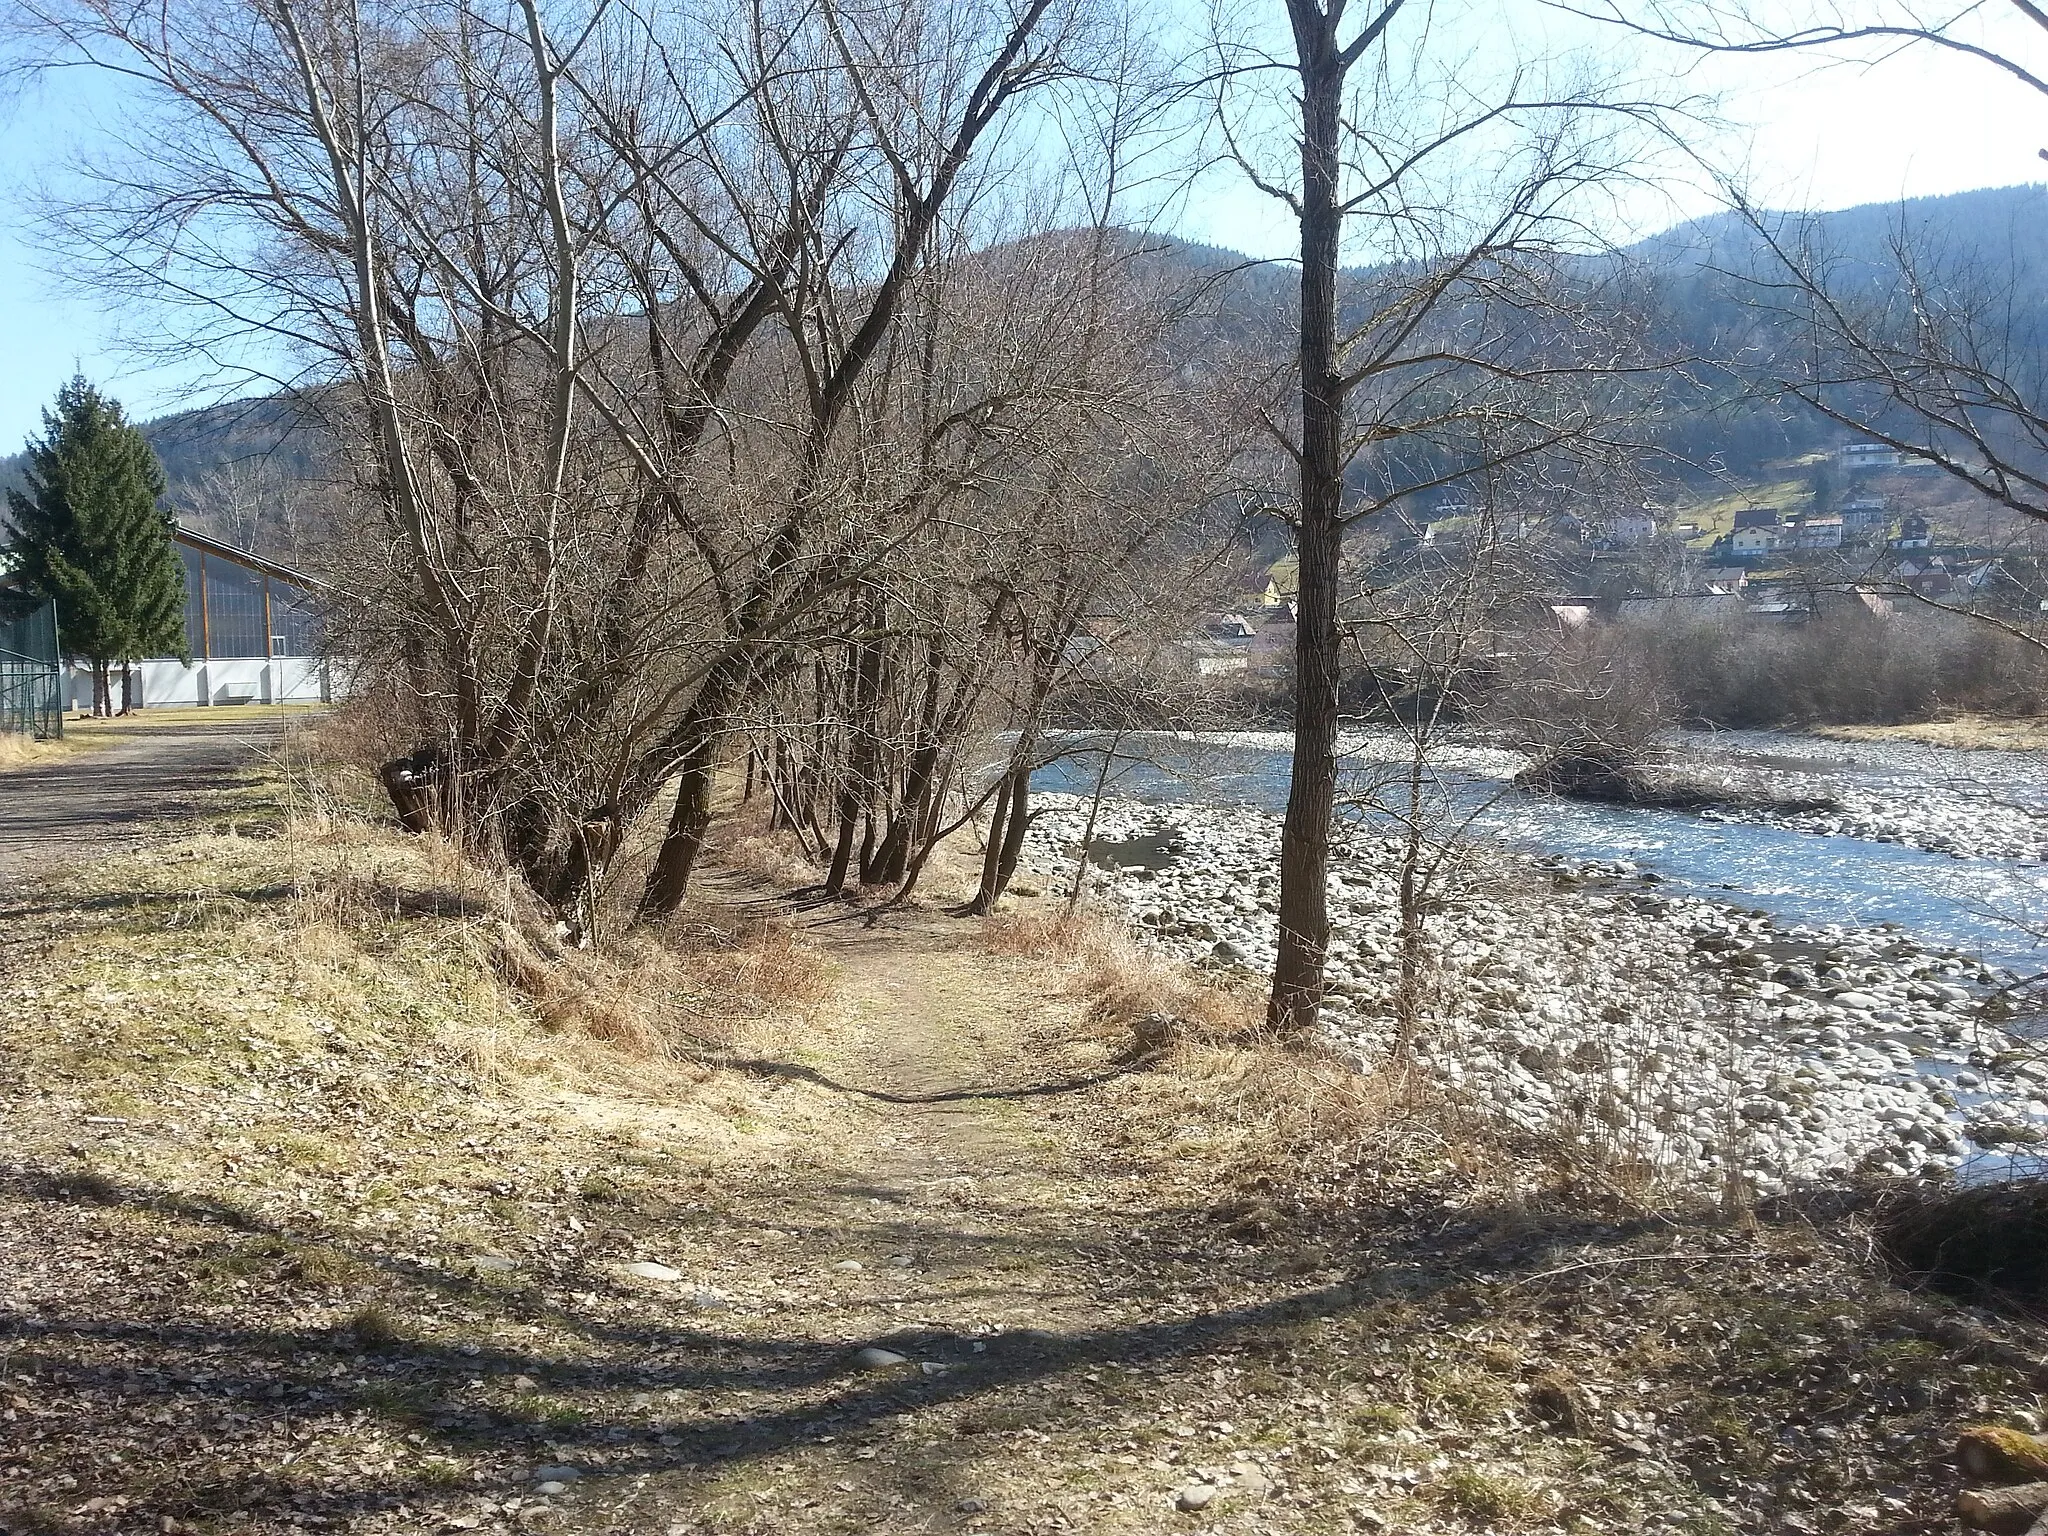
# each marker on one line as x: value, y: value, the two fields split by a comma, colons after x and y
x: 1969, y: 804
x: 1581, y: 1004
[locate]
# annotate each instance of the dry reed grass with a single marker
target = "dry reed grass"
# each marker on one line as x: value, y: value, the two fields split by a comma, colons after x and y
x: 1128, y: 984
x: 1966, y: 732
x: 1226, y: 1097
x: 637, y: 1013
x: 772, y: 858
x: 18, y: 751
x: 23, y: 751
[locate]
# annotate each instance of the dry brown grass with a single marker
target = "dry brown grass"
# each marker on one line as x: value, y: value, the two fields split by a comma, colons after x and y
x: 1130, y: 986
x: 773, y: 858
x: 1224, y: 1098
x: 663, y: 997
x: 18, y: 751
x: 1968, y: 732
x: 21, y: 751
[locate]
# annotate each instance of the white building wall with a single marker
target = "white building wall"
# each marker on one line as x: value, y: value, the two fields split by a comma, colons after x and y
x: 172, y: 684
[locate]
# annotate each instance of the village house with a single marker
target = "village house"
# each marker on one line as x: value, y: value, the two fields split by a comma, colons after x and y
x: 1755, y: 517
x: 1725, y: 578
x: 1820, y: 533
x: 1630, y: 528
x: 1914, y: 533
x: 1752, y: 543
x: 1863, y: 518
x: 1855, y: 458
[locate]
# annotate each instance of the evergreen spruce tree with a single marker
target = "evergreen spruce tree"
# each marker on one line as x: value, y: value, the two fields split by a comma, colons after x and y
x: 90, y: 533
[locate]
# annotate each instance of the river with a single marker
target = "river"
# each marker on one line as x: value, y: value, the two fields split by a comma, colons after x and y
x: 1863, y: 877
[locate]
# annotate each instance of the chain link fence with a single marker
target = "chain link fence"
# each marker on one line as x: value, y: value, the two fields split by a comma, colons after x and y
x: 31, y: 674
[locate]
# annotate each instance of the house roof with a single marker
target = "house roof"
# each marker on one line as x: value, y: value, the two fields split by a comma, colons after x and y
x: 242, y: 557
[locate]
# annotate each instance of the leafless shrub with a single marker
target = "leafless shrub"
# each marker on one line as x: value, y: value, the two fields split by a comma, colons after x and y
x: 1843, y: 668
x: 1589, y: 717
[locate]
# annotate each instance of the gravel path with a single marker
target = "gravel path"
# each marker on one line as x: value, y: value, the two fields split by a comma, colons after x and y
x: 121, y: 796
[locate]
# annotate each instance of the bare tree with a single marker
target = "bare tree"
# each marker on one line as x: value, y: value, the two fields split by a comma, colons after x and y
x: 1465, y: 189
x: 1441, y: 631
x: 596, y: 308
x: 1930, y: 351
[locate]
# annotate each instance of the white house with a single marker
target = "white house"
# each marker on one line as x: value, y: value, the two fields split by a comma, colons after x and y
x: 1857, y: 457
x: 1752, y: 543
x: 1821, y: 533
x: 252, y: 627
x: 1631, y: 528
x: 1914, y: 533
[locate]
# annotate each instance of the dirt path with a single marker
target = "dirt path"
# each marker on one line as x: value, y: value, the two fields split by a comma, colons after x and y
x: 120, y: 795
x: 303, y: 1229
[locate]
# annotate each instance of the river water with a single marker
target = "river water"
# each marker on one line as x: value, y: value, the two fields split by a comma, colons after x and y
x: 1978, y: 905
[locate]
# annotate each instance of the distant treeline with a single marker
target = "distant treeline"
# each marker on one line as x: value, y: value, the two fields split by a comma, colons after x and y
x: 1846, y: 668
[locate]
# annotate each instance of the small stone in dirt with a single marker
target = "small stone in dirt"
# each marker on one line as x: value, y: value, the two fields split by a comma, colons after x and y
x: 557, y: 1474
x: 849, y: 1265
x: 1996, y: 1453
x: 970, y: 1507
x: 553, y: 1485
x: 494, y: 1263
x: 706, y: 1300
x: 874, y: 1358
x: 901, y: 1260
x: 525, y: 1384
x: 933, y: 1367
x: 646, y: 1270
x: 1194, y: 1497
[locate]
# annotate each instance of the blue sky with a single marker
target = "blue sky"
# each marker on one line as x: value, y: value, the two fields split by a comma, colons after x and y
x: 1809, y: 134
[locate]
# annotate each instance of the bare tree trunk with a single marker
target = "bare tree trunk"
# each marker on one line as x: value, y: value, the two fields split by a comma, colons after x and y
x: 1010, y: 821
x: 992, y: 855
x: 842, y: 849
x: 1020, y: 823
x: 694, y: 747
x: 856, y: 794
x: 1304, y: 914
x: 1088, y: 832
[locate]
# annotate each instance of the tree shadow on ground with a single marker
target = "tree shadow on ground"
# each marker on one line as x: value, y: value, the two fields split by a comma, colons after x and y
x: 192, y: 1384
x: 797, y: 1072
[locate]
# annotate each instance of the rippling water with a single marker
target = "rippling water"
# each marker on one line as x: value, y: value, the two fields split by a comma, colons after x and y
x: 1973, y: 905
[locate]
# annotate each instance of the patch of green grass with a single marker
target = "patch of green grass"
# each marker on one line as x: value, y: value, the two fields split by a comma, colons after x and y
x: 375, y: 1328
x: 306, y: 1151
x: 557, y: 1412
x: 317, y: 1264
x: 442, y: 1472
x: 1909, y: 1355
x: 1379, y: 1418
x: 602, y: 1189
x: 1467, y: 1395
x: 257, y: 1256
x: 1002, y: 1418
x: 404, y: 1402
x: 1491, y: 1499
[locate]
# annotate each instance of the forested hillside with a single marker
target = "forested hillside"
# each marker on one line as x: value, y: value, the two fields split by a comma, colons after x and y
x: 250, y: 471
